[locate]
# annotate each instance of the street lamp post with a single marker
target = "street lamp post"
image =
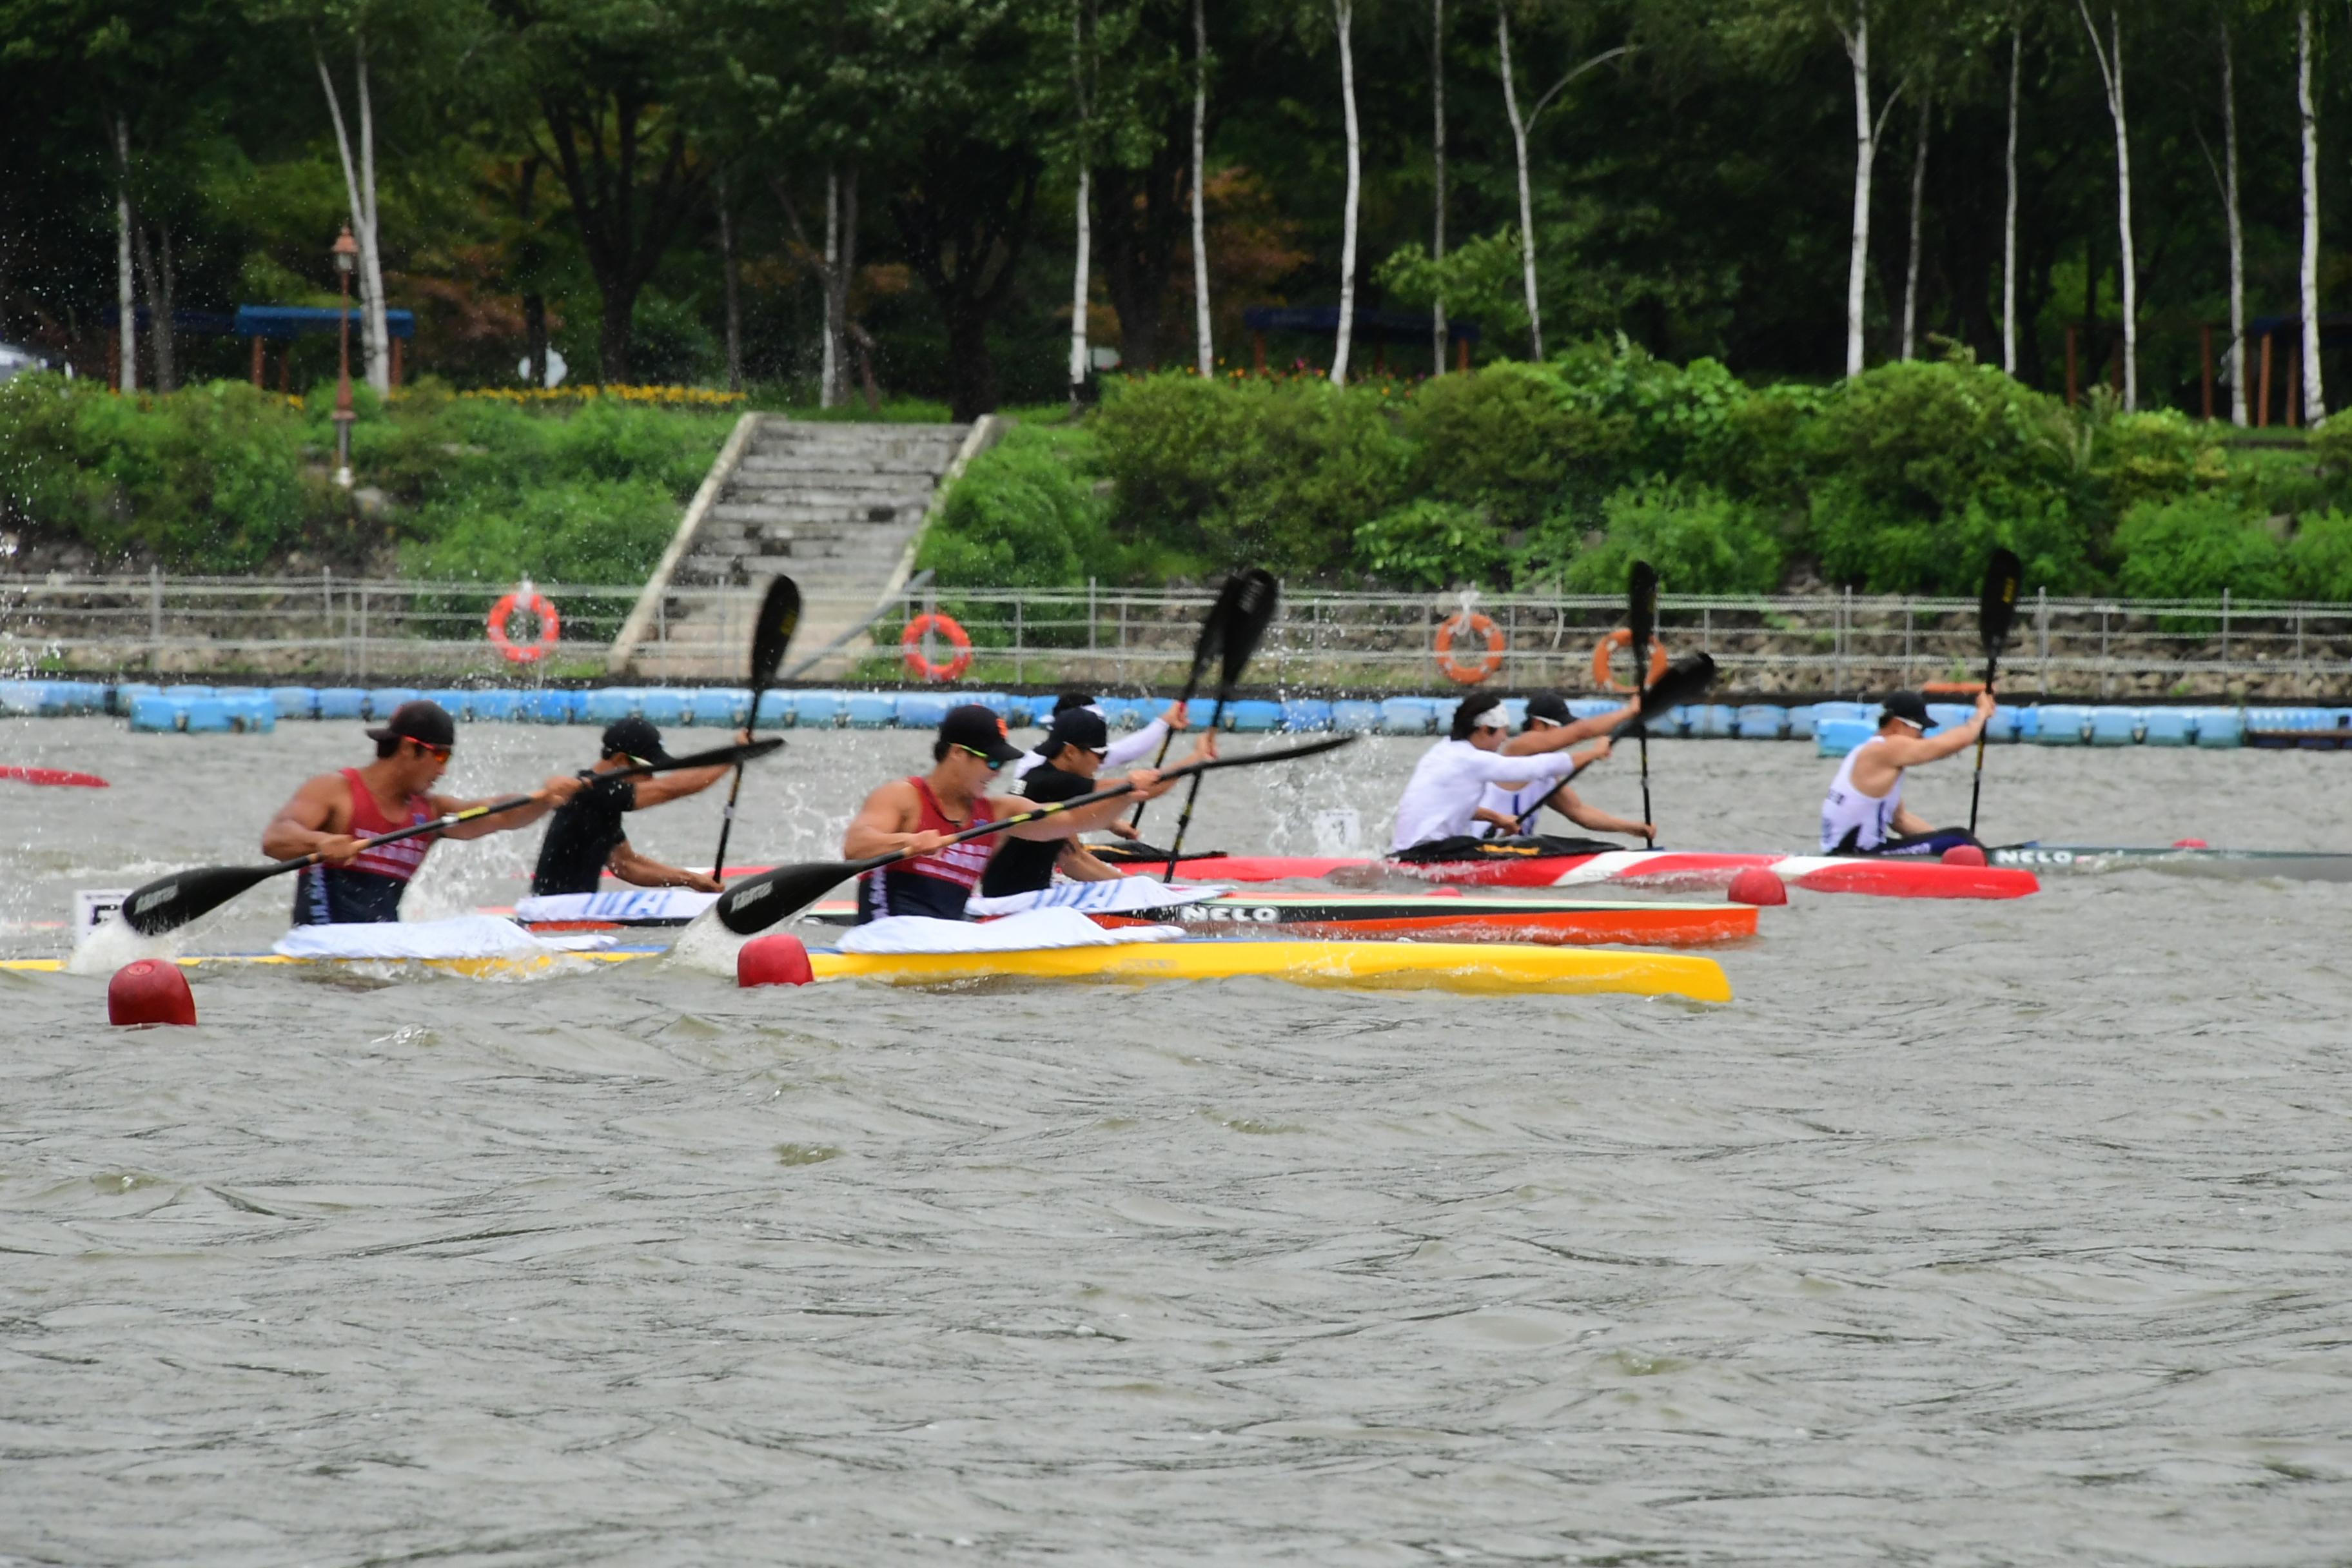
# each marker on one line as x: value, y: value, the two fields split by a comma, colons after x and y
x: 347, y: 255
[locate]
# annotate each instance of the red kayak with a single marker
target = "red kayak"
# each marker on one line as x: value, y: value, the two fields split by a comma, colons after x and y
x: 1891, y: 878
x: 53, y: 776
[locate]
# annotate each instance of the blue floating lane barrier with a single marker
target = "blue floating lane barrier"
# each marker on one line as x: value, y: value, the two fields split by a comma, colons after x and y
x: 547, y: 705
x: 1355, y: 716
x: 1255, y: 717
x: 607, y: 704
x: 1761, y: 721
x: 342, y: 702
x: 1303, y: 714
x: 1407, y: 716
x: 1836, y: 737
x: 872, y: 710
x: 380, y: 702
x: 718, y: 708
x: 151, y: 712
x: 2220, y: 727
x: 919, y: 710
x: 2115, y: 726
x: 663, y: 705
x: 1800, y: 723
x: 776, y: 712
x: 818, y: 709
x: 295, y: 701
x: 2061, y: 724
x: 2167, y: 727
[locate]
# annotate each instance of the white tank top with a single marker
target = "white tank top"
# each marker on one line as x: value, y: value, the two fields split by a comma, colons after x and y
x: 1848, y: 810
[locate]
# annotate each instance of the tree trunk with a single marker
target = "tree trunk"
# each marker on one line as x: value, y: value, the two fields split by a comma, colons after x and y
x: 971, y: 371
x: 534, y: 336
x: 1139, y: 224
x: 616, y: 333
x: 2110, y: 57
x: 836, y: 304
x: 625, y: 224
x: 1203, y: 350
x: 2314, y: 396
x: 963, y: 209
x: 126, y: 305
x: 359, y: 189
x: 828, y: 383
x: 1343, y: 14
x: 731, y: 274
x: 2238, y: 409
x: 1865, y: 153
x: 2009, y: 214
x: 1527, y: 199
x: 1079, y: 278
x: 1911, y: 270
x: 1437, y: 172
x: 158, y: 281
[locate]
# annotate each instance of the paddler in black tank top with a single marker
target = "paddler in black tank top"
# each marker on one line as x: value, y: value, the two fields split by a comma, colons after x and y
x: 921, y: 813
x: 586, y: 836
x: 1073, y: 751
x: 332, y: 813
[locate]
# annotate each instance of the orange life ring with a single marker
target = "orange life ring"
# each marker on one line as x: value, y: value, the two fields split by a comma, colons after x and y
x: 910, y: 643
x: 550, y: 627
x: 1606, y: 648
x: 1478, y: 625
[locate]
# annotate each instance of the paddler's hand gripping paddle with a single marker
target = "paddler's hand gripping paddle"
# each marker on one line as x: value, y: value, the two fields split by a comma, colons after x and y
x: 169, y: 902
x: 758, y: 903
x: 1995, y: 611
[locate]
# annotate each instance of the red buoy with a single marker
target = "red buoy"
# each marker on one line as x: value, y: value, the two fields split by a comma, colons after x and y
x: 149, y: 991
x: 1964, y: 855
x: 2190, y: 844
x: 1759, y: 886
x: 777, y: 960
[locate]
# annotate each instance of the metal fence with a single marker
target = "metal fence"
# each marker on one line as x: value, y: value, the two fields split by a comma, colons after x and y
x: 354, y: 631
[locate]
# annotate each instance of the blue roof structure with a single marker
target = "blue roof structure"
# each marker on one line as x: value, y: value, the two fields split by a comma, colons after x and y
x: 302, y: 320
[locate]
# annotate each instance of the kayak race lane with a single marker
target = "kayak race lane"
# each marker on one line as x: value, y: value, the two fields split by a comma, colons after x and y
x: 1967, y: 1228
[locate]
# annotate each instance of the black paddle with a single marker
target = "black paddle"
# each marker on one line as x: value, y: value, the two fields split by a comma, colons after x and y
x: 1251, y: 612
x: 1205, y: 648
x: 758, y: 903
x: 780, y: 617
x: 1641, y: 620
x: 1995, y: 611
x: 169, y: 902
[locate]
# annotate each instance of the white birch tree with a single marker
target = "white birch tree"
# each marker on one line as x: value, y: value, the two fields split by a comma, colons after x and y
x: 1437, y: 179
x: 2315, y: 395
x: 1869, y: 126
x: 838, y: 266
x: 359, y: 189
x: 1081, y: 98
x: 1521, y: 128
x: 1205, y: 350
x: 1918, y: 201
x: 2110, y: 57
x: 1343, y: 15
x: 2008, y: 212
x: 731, y: 281
x: 126, y: 302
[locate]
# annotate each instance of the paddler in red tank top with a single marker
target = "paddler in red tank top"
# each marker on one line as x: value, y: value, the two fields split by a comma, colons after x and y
x: 332, y: 813
x: 919, y: 814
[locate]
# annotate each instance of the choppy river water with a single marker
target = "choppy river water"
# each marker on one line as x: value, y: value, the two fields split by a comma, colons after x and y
x: 1968, y: 1233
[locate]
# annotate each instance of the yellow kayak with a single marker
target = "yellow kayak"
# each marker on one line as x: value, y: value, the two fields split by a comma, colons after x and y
x: 1473, y: 967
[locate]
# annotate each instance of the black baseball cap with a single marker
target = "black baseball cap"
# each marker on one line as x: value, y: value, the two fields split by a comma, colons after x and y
x: 1909, y: 706
x: 1069, y: 700
x: 1080, y: 727
x: 426, y: 723
x: 635, y: 739
x: 1549, y: 707
x: 978, y: 729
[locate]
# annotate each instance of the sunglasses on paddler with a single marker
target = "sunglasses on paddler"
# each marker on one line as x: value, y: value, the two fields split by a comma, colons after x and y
x: 992, y: 763
x: 438, y: 753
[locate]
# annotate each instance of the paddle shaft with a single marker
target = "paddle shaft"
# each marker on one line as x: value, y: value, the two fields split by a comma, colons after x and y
x: 1184, y: 819
x: 1976, y: 785
x: 727, y: 818
x: 1642, y: 622
x: 782, y: 604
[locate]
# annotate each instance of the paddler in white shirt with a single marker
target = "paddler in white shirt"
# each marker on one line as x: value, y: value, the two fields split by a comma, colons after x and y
x: 1863, y: 813
x: 1514, y: 809
x: 1438, y: 812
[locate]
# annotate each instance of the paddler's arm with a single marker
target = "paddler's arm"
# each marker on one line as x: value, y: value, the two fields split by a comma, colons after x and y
x: 1592, y: 819
x: 1148, y: 786
x: 1079, y: 864
x: 1907, y: 823
x: 1144, y: 741
x: 639, y: 871
x: 300, y: 826
x: 1536, y: 742
x: 1502, y: 819
x: 886, y: 825
x: 1880, y: 763
x: 549, y: 794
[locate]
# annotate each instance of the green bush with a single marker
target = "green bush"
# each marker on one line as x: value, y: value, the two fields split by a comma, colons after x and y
x: 2319, y: 557
x: 1023, y: 515
x: 1678, y: 420
x: 1277, y: 473
x: 1700, y: 540
x: 1433, y: 544
x: 1509, y: 439
x: 210, y: 480
x: 2194, y: 546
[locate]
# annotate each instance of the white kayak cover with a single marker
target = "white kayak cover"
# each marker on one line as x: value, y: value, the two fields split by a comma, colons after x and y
x: 465, y: 936
x: 1014, y: 934
x: 637, y: 904
x: 1116, y: 897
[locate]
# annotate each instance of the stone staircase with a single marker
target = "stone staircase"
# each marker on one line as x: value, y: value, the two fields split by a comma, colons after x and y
x: 839, y: 507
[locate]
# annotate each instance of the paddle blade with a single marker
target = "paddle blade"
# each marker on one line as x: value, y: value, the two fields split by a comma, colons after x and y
x: 1641, y: 612
x: 2004, y: 577
x: 717, y: 757
x: 170, y: 902
x: 1211, y: 641
x: 1257, y: 595
x: 754, y: 904
x: 1686, y: 679
x: 780, y: 617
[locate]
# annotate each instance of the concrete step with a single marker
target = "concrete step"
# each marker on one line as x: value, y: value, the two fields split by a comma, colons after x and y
x: 760, y: 470
x: 782, y: 505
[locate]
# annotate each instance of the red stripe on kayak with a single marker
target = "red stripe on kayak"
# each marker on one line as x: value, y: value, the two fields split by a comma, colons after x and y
x: 54, y: 776
x: 1667, y: 869
x: 1934, y: 880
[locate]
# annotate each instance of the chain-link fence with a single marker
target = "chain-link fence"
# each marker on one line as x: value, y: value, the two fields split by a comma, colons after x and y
x: 357, y: 631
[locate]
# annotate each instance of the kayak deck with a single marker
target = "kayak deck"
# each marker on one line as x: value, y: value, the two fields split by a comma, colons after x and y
x: 1884, y: 877
x: 1436, y: 916
x: 1467, y: 967
x: 2289, y: 865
